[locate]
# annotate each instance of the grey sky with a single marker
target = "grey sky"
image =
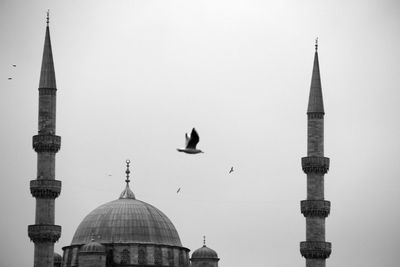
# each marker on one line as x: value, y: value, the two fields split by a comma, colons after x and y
x: 134, y: 76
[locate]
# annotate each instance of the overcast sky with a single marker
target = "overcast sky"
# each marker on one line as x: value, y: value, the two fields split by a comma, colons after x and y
x: 134, y: 76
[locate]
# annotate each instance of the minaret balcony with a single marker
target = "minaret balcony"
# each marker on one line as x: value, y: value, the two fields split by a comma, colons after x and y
x: 45, y: 188
x: 315, y: 164
x: 315, y: 115
x: 315, y: 208
x: 315, y: 249
x: 40, y: 233
x: 46, y: 143
x: 47, y: 91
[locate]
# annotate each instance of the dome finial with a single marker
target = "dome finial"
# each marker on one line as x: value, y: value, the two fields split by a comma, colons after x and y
x: 316, y: 44
x: 48, y: 17
x: 127, y: 171
x: 127, y: 193
x: 204, y: 240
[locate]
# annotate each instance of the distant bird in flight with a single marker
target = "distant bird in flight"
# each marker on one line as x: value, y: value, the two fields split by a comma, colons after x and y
x: 179, y: 189
x: 14, y: 65
x: 110, y: 175
x: 191, y: 143
x: 10, y: 78
x: 231, y: 170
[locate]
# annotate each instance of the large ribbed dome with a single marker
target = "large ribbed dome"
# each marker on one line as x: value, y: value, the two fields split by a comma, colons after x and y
x: 127, y: 220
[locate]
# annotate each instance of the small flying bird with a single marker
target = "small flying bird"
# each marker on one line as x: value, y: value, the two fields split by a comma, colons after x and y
x: 191, y: 143
x: 179, y: 189
x: 10, y: 78
x: 14, y: 65
x: 110, y: 175
x: 231, y: 170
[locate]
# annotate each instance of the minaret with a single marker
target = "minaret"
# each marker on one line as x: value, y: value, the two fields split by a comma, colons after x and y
x: 315, y: 209
x: 45, y: 188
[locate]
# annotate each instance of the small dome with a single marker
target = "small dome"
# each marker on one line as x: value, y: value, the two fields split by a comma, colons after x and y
x: 204, y: 253
x: 57, y: 258
x: 93, y: 246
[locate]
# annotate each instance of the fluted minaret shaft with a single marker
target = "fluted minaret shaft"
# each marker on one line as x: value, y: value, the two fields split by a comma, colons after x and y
x: 315, y: 209
x: 45, y: 188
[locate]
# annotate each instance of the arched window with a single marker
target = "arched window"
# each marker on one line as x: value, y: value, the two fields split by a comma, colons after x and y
x: 170, y: 257
x: 110, y: 258
x: 69, y: 257
x: 125, y: 257
x: 182, y: 262
x: 157, y: 256
x: 142, y: 255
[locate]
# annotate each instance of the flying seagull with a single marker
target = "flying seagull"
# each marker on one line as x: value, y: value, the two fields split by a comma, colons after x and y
x: 10, y: 78
x: 231, y: 170
x: 14, y: 65
x: 179, y: 189
x: 191, y: 143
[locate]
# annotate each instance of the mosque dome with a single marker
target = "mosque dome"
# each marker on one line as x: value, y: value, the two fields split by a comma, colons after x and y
x: 204, y: 253
x: 127, y: 220
x: 128, y: 232
x: 93, y: 247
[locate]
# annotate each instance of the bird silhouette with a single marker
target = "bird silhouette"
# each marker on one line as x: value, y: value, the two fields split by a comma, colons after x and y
x: 14, y: 65
x: 179, y: 189
x: 191, y: 143
x: 10, y: 78
x: 231, y: 170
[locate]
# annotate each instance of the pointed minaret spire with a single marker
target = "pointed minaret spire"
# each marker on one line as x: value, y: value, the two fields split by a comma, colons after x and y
x: 127, y: 193
x: 204, y: 240
x: 315, y: 208
x: 47, y: 73
x: 45, y: 188
x: 315, y: 101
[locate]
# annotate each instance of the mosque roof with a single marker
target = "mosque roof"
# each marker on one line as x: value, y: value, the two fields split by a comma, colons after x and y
x: 127, y: 220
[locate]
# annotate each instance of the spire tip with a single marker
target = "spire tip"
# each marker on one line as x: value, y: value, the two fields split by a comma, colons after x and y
x: 48, y: 17
x: 316, y: 44
x: 204, y: 240
x: 127, y: 171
